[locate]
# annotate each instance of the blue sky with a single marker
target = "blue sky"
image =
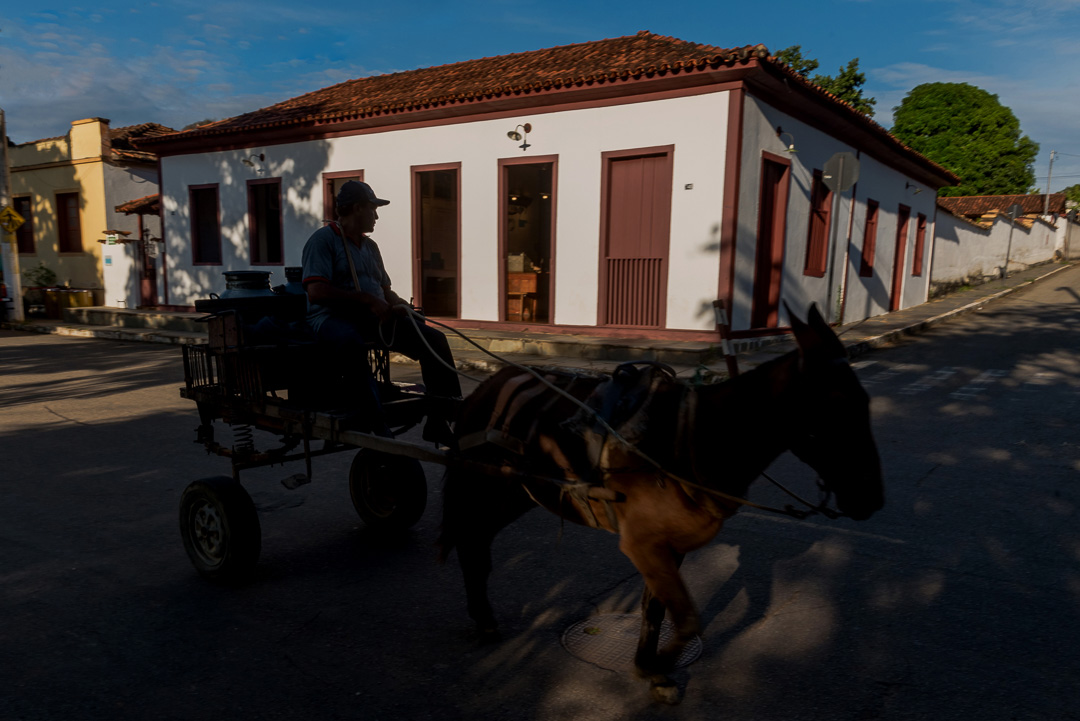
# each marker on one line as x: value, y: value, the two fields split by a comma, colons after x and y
x: 181, y: 61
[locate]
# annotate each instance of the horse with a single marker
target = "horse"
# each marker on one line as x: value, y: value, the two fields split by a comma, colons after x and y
x: 659, y: 461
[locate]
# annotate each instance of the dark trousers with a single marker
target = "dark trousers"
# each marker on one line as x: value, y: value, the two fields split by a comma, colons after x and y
x: 429, y: 347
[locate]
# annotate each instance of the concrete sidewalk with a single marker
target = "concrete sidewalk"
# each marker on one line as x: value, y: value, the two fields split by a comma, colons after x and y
x: 686, y: 357
x: 859, y: 337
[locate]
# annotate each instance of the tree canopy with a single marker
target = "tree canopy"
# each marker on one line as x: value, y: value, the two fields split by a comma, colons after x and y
x: 967, y: 130
x: 846, y: 84
x: 1072, y: 193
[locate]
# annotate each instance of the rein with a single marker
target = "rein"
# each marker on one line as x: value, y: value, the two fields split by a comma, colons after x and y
x: 687, y: 414
x: 788, y: 510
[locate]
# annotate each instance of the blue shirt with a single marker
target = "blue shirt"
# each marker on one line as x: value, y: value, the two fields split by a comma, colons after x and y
x: 324, y: 260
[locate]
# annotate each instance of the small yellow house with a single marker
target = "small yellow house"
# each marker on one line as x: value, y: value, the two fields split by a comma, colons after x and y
x: 67, y: 189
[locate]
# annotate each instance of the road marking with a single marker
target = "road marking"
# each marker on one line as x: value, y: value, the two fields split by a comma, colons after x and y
x: 978, y: 386
x: 929, y: 381
x: 888, y: 374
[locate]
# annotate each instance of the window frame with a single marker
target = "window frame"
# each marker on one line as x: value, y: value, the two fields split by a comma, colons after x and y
x: 920, y: 245
x: 195, y: 245
x: 817, y: 232
x: 24, y: 234
x: 63, y: 226
x: 329, y: 201
x: 869, y: 246
x: 253, y: 225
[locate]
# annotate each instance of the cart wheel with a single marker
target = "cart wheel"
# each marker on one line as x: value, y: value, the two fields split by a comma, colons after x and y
x: 389, y: 492
x: 220, y: 528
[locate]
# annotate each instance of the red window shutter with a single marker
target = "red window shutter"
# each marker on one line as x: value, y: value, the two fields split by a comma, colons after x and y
x: 67, y: 221
x: 205, y: 224
x: 817, y: 242
x: 24, y: 236
x: 866, y: 268
x: 920, y: 243
x: 265, y: 222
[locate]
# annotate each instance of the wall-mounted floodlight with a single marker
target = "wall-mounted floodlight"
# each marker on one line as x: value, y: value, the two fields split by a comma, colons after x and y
x: 909, y: 186
x: 250, y: 160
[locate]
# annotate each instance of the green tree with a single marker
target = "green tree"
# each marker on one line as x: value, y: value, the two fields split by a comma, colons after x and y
x: 1072, y: 193
x: 966, y: 129
x: 792, y: 57
x: 847, y: 85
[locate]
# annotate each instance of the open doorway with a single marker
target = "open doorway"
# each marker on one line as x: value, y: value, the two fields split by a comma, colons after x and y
x: 527, y: 245
x: 437, y: 239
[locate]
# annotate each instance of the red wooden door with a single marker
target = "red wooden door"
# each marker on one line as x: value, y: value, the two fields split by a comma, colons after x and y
x: 147, y: 276
x: 636, y: 229
x: 903, y: 216
x: 772, y: 229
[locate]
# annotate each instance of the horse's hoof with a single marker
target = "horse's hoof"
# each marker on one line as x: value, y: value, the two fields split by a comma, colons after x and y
x: 666, y: 691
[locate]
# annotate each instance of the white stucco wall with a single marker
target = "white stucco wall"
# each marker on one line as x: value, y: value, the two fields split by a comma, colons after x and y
x: 119, y: 263
x: 865, y: 297
x: 1068, y: 238
x: 967, y: 253
x: 696, y: 126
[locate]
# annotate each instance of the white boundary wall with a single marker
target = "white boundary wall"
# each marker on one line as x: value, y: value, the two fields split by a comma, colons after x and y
x: 967, y: 253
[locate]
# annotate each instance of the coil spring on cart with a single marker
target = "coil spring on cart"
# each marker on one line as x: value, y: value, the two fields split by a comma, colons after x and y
x: 243, y: 438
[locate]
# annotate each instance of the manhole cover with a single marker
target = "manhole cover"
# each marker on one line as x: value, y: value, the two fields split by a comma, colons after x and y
x: 610, y: 641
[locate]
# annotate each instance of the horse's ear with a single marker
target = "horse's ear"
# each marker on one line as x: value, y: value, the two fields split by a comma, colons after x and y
x: 815, y: 319
x: 814, y: 337
x: 798, y: 328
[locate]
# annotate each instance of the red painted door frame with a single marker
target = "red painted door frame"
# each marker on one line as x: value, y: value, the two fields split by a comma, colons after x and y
x: 772, y: 231
x: 659, y: 234
x: 417, y: 210
x: 503, y: 208
x: 903, y: 218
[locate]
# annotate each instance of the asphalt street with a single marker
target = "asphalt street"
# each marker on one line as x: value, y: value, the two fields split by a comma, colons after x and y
x: 959, y: 600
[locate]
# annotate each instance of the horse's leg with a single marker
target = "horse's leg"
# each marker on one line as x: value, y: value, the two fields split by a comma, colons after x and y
x: 664, y: 589
x: 474, y: 512
x: 652, y: 619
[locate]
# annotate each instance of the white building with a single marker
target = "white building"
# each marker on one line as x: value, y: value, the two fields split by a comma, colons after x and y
x: 648, y: 177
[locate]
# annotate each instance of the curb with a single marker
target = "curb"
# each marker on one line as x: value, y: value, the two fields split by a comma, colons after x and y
x: 490, y: 366
x: 868, y: 344
x: 148, y: 335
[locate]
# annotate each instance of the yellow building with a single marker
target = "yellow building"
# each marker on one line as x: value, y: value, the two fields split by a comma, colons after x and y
x: 67, y: 189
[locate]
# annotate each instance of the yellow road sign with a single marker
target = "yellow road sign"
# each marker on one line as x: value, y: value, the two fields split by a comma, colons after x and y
x: 10, y: 220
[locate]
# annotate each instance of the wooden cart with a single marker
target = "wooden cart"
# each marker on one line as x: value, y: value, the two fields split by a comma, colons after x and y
x: 316, y: 403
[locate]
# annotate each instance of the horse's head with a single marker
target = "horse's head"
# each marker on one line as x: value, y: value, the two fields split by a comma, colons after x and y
x: 831, y: 420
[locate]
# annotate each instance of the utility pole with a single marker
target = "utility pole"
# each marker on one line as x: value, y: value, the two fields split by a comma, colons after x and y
x: 1049, y: 174
x: 8, y: 248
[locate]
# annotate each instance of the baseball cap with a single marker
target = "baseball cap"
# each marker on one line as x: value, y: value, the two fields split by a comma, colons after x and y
x: 356, y: 192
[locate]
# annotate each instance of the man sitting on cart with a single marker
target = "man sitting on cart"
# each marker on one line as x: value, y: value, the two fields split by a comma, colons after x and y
x: 347, y: 315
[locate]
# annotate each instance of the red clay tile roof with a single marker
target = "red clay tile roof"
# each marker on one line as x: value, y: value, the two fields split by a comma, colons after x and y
x: 589, y: 64
x: 147, y: 205
x: 978, y: 205
x: 592, y: 62
x: 123, y: 141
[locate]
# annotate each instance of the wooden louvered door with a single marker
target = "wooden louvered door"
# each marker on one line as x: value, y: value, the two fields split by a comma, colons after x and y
x: 636, y: 227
